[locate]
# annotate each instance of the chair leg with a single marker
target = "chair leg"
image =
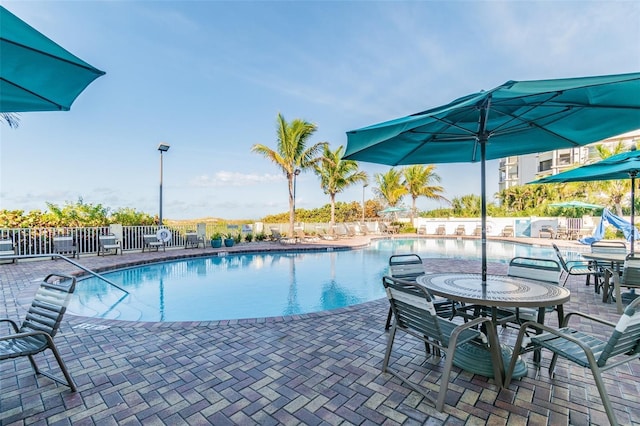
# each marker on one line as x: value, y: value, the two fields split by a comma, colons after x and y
x: 387, y: 354
x: 389, y: 315
x: 63, y: 368
x: 604, y: 397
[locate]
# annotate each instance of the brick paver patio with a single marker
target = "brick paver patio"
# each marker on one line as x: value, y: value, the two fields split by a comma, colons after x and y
x: 315, y: 369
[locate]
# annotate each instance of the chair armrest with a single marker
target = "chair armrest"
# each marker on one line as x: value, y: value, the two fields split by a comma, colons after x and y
x: 579, y: 264
x: 565, y: 323
x: 14, y: 324
x: 558, y: 332
x: 28, y: 334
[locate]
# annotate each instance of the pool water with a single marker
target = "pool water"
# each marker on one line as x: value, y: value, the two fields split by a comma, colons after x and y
x: 266, y: 284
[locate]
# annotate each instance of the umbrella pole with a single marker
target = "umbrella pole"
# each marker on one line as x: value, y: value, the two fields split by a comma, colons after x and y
x: 483, y: 209
x: 633, y: 211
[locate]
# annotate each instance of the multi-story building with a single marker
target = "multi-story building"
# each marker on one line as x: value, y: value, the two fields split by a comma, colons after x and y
x: 521, y: 169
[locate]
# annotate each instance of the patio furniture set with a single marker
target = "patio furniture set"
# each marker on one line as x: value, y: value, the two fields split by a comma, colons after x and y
x: 531, y: 288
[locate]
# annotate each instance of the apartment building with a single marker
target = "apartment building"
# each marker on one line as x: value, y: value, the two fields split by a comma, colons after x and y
x: 521, y: 169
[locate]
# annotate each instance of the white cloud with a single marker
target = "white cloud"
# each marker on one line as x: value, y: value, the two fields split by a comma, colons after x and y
x: 224, y: 178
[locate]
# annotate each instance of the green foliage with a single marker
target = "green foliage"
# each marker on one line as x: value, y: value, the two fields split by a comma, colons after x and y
x: 216, y: 236
x: 248, y: 238
x: 261, y: 236
x: 73, y: 214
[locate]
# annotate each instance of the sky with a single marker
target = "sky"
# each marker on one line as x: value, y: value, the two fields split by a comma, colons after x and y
x: 209, y: 78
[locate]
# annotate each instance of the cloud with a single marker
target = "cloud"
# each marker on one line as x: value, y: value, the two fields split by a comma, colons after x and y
x: 224, y: 178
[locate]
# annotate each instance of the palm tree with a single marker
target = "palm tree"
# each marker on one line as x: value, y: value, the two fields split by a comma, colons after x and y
x: 418, y: 180
x: 10, y: 118
x: 390, y: 187
x: 336, y: 175
x: 292, y: 154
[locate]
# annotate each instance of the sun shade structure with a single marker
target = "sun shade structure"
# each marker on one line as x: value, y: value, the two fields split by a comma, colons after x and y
x: 516, y: 118
x: 576, y: 205
x: 625, y: 165
x: 36, y: 74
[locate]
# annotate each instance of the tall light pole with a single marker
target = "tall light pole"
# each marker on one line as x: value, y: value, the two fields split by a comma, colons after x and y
x: 296, y: 172
x: 163, y: 147
x: 363, y: 187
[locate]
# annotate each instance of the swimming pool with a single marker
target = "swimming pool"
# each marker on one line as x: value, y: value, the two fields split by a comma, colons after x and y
x: 265, y: 284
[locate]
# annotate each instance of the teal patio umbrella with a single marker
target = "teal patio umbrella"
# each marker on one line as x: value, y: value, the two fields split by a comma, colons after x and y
x: 625, y: 165
x: 36, y: 74
x: 576, y: 204
x: 515, y: 118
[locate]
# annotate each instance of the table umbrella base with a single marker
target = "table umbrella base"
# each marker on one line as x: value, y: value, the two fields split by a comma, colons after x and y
x: 476, y: 359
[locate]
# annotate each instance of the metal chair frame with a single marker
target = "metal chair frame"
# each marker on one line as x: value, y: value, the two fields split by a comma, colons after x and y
x: 586, y: 349
x: 40, y: 326
x: 414, y: 314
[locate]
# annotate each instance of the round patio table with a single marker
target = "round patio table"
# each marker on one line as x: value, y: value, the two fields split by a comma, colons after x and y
x: 500, y: 291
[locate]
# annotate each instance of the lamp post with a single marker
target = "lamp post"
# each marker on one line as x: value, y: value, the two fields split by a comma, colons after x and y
x: 363, y: 187
x: 296, y: 172
x: 163, y: 147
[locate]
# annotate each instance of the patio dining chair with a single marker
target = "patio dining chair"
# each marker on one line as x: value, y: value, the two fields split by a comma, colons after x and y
x: 41, y: 324
x: 595, y: 351
x: 630, y: 278
x: 603, y: 246
x: 408, y: 267
x: 193, y: 240
x: 576, y: 268
x: 537, y: 269
x: 414, y: 314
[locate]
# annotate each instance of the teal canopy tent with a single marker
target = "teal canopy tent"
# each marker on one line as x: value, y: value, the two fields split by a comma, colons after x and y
x: 36, y: 74
x: 625, y: 165
x: 515, y: 118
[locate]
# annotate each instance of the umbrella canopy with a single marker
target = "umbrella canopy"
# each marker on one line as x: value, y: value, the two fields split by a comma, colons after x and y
x: 576, y: 204
x: 36, y: 74
x: 625, y: 165
x: 515, y: 118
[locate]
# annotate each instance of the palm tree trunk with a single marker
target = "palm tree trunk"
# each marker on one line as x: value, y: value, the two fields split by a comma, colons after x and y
x: 332, y: 197
x: 291, y: 206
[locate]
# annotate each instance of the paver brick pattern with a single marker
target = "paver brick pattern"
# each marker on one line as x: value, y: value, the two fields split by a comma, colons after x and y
x: 313, y: 369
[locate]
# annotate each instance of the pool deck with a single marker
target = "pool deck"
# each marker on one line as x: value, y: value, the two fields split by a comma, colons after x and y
x: 311, y: 369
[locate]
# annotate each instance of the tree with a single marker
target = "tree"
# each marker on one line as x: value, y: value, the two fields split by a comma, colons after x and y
x: 291, y: 153
x: 390, y: 187
x: 419, y: 181
x: 10, y: 118
x: 336, y: 175
x: 613, y: 191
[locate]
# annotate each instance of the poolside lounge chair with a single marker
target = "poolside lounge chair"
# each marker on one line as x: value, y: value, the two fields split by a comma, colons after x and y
x: 322, y: 233
x: 277, y: 236
x: 547, y: 231
x: 7, y: 248
x: 193, y: 240
x: 302, y: 236
x: 414, y: 314
x: 40, y: 326
x: 507, y: 231
x: 108, y: 244
x: 422, y: 230
x: 65, y: 245
x: 441, y: 230
x: 460, y: 230
x: 589, y: 350
x: 477, y: 231
x: 151, y: 242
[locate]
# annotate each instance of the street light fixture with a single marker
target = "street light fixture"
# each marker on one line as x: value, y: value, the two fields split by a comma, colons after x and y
x: 296, y: 172
x: 163, y: 147
x: 363, y: 187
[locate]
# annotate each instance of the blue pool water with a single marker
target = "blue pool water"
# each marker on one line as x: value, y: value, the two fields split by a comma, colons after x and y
x: 265, y: 284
